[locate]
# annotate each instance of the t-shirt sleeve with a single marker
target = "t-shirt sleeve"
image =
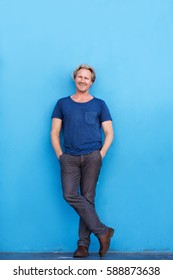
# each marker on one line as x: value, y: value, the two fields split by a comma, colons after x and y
x: 57, y: 112
x: 105, y: 113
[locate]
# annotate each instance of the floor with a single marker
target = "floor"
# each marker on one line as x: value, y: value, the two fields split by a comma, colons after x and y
x: 92, y: 256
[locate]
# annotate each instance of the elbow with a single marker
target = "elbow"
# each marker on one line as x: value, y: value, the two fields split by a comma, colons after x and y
x: 53, y: 135
x: 111, y: 136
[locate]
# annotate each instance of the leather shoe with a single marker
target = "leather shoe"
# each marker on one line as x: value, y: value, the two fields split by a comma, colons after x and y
x: 105, y: 241
x: 81, y: 252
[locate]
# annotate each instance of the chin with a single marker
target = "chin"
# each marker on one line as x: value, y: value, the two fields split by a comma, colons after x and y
x: 82, y: 90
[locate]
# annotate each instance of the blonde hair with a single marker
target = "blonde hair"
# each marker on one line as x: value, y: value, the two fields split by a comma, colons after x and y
x: 87, y: 67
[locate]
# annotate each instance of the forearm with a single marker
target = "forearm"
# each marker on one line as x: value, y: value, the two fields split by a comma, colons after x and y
x: 107, y: 143
x: 56, y: 144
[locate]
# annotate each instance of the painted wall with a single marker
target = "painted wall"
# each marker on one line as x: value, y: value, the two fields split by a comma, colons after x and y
x: 130, y: 44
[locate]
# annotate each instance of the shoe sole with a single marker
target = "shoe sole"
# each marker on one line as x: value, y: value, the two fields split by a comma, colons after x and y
x: 111, y: 233
x: 80, y: 256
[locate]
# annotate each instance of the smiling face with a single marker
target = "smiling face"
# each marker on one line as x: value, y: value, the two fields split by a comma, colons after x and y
x: 83, y: 80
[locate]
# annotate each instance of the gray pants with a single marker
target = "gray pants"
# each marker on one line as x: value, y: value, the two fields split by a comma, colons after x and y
x: 79, y: 175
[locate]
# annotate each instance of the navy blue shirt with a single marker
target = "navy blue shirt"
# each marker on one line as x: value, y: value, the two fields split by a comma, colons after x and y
x: 81, y: 124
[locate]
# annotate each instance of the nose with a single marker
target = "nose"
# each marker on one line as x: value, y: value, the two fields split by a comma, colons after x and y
x: 82, y: 79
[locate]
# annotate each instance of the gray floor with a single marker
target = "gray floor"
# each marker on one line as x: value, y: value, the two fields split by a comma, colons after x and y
x: 92, y: 256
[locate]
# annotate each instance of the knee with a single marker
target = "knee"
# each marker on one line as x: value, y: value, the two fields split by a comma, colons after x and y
x: 89, y: 197
x: 69, y: 197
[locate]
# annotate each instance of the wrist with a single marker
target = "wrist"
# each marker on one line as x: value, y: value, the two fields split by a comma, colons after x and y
x: 59, y: 155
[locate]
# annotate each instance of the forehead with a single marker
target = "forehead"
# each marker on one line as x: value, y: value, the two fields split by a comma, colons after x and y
x: 84, y: 72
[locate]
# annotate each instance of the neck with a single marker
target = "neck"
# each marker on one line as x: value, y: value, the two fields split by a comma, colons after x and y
x: 82, y: 96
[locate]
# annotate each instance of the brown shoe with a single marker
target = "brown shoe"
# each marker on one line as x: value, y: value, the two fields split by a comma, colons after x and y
x: 105, y: 241
x: 81, y: 252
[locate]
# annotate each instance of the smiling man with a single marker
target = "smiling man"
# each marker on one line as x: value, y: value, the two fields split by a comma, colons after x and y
x: 81, y: 117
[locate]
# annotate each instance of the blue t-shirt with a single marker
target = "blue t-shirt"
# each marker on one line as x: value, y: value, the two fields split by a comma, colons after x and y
x: 81, y: 124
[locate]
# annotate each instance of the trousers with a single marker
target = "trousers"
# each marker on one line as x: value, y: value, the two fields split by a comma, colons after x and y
x: 79, y: 176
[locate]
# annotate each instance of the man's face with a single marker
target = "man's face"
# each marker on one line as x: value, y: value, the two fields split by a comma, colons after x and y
x: 83, y: 80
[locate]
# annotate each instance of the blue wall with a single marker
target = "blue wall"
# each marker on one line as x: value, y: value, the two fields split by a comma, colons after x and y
x: 130, y: 44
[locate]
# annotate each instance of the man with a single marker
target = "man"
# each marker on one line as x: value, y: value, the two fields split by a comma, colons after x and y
x: 81, y: 117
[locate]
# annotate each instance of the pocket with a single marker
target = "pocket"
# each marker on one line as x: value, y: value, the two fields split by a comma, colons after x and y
x: 100, y: 155
x: 90, y: 117
x: 61, y: 156
x: 97, y: 155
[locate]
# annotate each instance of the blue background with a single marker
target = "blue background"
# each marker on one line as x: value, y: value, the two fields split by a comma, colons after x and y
x: 130, y: 45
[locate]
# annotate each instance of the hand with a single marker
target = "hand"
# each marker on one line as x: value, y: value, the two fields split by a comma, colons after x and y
x: 102, y: 153
x: 60, y: 156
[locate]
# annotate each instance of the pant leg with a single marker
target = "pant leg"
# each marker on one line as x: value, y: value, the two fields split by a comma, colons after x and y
x: 71, y: 178
x: 90, y: 170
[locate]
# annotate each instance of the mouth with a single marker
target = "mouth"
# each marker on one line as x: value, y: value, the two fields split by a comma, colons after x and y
x: 82, y: 84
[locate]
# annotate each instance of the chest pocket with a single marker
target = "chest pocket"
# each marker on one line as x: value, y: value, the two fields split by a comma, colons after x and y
x: 90, y: 117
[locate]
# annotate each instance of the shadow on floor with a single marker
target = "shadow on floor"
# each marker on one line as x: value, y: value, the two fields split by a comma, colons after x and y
x: 92, y: 256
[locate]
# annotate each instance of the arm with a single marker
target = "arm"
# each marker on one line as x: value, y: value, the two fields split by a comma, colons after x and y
x: 55, y: 136
x: 108, y: 132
